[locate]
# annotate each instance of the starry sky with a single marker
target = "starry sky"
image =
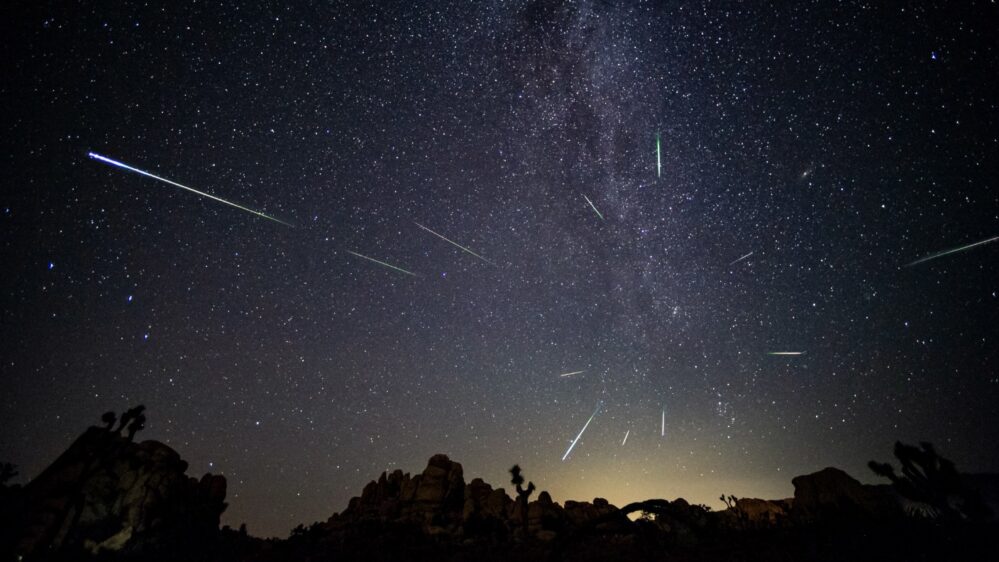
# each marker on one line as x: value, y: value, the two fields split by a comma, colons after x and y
x: 827, y: 144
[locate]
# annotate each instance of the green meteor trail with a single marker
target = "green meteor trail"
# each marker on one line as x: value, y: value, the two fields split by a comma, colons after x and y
x: 594, y: 207
x: 453, y: 243
x: 123, y: 166
x: 952, y: 251
x: 659, y: 160
x: 383, y: 263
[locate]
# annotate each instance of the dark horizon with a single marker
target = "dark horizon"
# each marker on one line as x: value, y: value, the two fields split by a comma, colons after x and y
x: 419, y: 218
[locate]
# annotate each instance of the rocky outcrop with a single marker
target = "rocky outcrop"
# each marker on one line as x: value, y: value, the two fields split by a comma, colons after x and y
x: 434, y: 498
x: 832, y: 493
x: 108, y: 493
x: 438, y: 501
x: 580, y: 513
x: 763, y: 513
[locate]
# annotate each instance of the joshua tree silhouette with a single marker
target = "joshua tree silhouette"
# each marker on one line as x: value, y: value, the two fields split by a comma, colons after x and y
x: 931, y: 479
x: 138, y: 424
x: 522, y: 493
x: 129, y: 415
x: 109, y: 418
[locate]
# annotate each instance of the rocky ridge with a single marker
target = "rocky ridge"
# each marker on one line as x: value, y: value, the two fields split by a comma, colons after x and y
x: 107, y: 493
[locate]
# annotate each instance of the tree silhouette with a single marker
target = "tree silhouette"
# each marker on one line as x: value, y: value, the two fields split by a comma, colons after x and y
x: 138, y: 424
x: 522, y: 493
x: 129, y: 415
x: 109, y: 418
x: 931, y: 479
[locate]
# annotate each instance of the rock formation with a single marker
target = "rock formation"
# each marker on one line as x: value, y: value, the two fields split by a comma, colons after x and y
x: 439, y: 501
x: 108, y: 493
x: 832, y: 493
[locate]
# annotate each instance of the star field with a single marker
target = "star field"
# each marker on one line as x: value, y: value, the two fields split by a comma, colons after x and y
x: 809, y: 152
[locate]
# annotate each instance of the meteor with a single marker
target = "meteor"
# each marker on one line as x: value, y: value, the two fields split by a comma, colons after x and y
x: 383, y: 263
x: 626, y: 433
x: 106, y: 160
x: 662, y: 431
x: 453, y: 243
x: 594, y: 207
x: 572, y: 373
x: 785, y: 353
x: 951, y: 251
x: 742, y: 258
x: 659, y: 161
x: 569, y: 450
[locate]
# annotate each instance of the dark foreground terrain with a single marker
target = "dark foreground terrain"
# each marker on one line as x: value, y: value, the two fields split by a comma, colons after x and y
x: 110, y: 498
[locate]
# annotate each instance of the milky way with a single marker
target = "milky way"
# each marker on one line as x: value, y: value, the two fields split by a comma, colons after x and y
x: 827, y: 144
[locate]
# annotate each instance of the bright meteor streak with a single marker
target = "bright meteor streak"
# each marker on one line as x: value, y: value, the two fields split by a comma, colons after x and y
x: 952, y: 251
x: 107, y: 160
x: 659, y: 161
x: 785, y: 353
x: 383, y: 263
x: 569, y: 450
x: 572, y: 373
x: 594, y: 207
x: 626, y: 433
x: 742, y: 258
x: 662, y: 431
x: 453, y: 243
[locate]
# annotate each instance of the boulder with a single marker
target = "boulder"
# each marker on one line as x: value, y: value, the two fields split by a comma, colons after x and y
x: 832, y: 493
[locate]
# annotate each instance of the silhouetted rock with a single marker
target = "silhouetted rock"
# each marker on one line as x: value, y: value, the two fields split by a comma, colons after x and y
x: 108, y: 493
x: 434, y: 498
x: 832, y: 493
x: 762, y: 513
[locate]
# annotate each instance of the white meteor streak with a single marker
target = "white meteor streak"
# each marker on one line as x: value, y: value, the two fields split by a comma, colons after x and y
x: 626, y: 433
x: 662, y: 431
x: 569, y: 450
x: 383, y: 263
x: 742, y: 258
x: 107, y: 160
x: 785, y: 353
x: 453, y: 243
x: 594, y: 207
x: 659, y: 160
x: 572, y: 373
x: 952, y: 251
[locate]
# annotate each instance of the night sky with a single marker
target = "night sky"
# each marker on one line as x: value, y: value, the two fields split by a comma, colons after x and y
x: 827, y: 144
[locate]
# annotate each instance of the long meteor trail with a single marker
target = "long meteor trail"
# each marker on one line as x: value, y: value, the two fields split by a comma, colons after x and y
x: 662, y: 431
x: 785, y: 353
x: 594, y: 207
x: 383, y: 263
x: 107, y: 160
x: 569, y: 450
x: 626, y: 433
x: 572, y: 373
x: 742, y: 258
x: 951, y: 251
x: 453, y: 243
x: 659, y: 160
